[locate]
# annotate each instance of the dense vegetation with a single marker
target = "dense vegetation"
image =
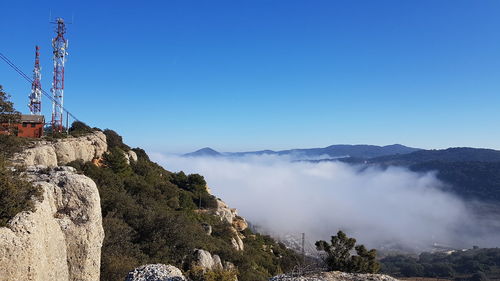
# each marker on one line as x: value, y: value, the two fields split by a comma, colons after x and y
x: 473, y: 174
x: 16, y: 194
x: 151, y: 215
x: 7, y: 112
x: 460, y: 265
x: 339, y: 257
x: 470, y: 180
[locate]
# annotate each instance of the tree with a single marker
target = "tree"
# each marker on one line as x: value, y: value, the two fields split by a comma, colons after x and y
x: 338, y: 255
x: 115, y: 140
x: 79, y: 128
x: 8, y: 114
x: 115, y: 159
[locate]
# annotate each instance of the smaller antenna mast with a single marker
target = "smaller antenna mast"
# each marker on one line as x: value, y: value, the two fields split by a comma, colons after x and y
x: 35, y: 104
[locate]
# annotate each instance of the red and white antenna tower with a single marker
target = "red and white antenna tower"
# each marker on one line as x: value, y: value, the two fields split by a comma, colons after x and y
x: 59, y: 45
x: 35, y: 104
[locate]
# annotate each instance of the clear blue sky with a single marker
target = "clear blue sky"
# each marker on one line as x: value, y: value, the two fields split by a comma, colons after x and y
x: 174, y: 76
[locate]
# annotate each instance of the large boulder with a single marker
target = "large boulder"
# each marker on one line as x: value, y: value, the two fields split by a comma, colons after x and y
x: 62, y: 151
x: 204, y: 260
x: 155, y: 272
x: 224, y: 212
x: 62, y: 238
x: 130, y: 156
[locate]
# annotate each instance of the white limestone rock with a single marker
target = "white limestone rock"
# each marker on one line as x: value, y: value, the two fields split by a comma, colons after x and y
x: 62, y: 238
x: 156, y: 272
x: 63, y: 151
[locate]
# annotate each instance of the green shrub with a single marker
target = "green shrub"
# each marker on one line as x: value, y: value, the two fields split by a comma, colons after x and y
x: 200, y: 274
x: 338, y: 255
x: 16, y: 194
x: 79, y: 128
x: 11, y: 144
x: 115, y: 140
x: 8, y: 114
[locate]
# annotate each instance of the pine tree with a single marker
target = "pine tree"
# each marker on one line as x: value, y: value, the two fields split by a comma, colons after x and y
x: 338, y: 255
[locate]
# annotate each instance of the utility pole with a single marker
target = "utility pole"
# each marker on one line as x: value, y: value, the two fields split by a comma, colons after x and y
x: 303, y: 248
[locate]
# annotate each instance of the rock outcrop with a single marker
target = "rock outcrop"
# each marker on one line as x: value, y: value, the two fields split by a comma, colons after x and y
x: 62, y: 238
x: 238, y: 224
x: 130, y: 156
x: 203, y: 259
x: 155, y: 272
x: 334, y: 276
x: 62, y: 151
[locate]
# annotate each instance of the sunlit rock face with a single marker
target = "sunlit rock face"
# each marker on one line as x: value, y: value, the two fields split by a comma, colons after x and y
x: 62, y: 238
x: 62, y: 151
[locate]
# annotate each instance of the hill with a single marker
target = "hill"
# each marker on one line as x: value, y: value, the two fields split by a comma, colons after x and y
x: 332, y: 151
x: 471, y: 173
x: 450, y: 155
x: 204, y: 152
x: 149, y: 215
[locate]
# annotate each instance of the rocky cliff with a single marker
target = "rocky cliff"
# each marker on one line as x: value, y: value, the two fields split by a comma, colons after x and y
x: 62, y: 151
x: 62, y: 238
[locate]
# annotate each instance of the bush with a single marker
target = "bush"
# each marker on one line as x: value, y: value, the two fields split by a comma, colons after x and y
x: 10, y: 145
x: 8, y: 114
x: 16, y: 194
x: 79, y: 128
x: 115, y: 140
x: 201, y: 274
x: 338, y: 255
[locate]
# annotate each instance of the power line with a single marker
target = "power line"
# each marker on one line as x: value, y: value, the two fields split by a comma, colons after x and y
x: 26, y: 77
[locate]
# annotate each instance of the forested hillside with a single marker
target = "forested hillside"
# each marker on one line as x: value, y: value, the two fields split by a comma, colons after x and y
x: 474, y: 264
x: 151, y: 215
x: 469, y: 172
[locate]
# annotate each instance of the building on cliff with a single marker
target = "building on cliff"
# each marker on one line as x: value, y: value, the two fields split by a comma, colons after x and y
x: 30, y: 126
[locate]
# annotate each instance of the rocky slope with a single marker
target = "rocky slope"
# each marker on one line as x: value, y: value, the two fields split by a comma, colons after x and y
x: 62, y: 151
x: 335, y: 276
x: 62, y: 238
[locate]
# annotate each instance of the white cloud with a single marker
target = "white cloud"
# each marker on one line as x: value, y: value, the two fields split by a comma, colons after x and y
x: 377, y: 206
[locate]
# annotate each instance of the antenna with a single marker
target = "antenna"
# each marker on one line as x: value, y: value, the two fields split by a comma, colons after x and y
x: 60, y: 46
x: 35, y: 104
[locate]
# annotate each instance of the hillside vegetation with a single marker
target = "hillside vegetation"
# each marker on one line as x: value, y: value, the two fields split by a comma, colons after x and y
x: 475, y: 264
x: 472, y: 173
x: 151, y: 215
x: 16, y: 194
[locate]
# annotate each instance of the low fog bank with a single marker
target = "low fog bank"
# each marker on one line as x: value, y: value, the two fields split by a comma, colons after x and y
x: 380, y: 207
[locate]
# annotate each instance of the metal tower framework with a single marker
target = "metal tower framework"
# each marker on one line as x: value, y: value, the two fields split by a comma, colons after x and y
x: 60, y: 46
x: 35, y: 104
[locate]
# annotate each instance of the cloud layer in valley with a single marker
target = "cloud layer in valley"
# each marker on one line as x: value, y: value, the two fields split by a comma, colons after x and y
x: 380, y: 207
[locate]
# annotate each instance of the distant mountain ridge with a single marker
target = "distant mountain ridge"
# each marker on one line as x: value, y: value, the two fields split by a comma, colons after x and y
x: 454, y: 154
x: 471, y: 173
x: 332, y: 151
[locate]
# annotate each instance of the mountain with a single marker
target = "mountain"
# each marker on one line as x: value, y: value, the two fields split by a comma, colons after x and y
x: 332, y: 151
x: 204, y: 152
x: 472, y: 173
x: 358, y: 151
x: 457, y: 154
